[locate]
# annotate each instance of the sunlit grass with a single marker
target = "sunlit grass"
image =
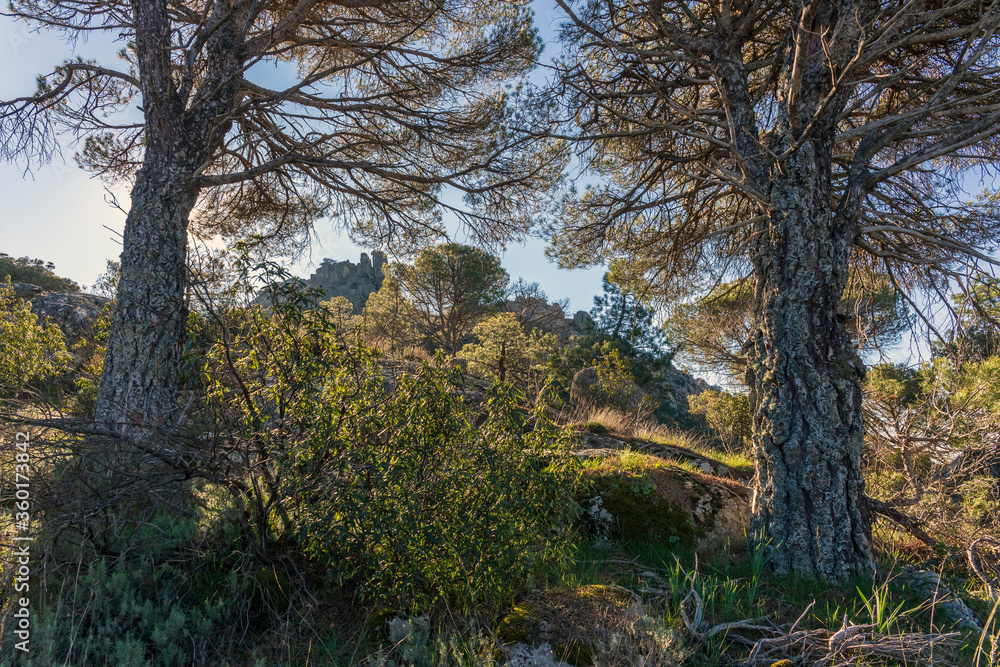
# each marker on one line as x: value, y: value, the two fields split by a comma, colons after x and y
x: 662, y: 435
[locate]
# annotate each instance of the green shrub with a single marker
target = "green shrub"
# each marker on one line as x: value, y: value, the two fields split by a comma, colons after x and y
x: 146, y: 592
x: 448, y: 503
x: 34, y: 272
x: 130, y: 612
x: 614, y: 377
x: 402, y: 485
x: 594, y: 427
x: 502, y: 351
x: 727, y: 414
x: 30, y: 351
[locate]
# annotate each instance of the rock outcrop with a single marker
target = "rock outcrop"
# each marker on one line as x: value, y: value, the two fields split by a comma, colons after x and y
x: 355, y: 282
x: 675, y: 388
x: 581, y: 324
x: 636, y: 497
x: 26, y: 290
x: 599, y: 445
x: 536, y: 313
x: 930, y: 586
x: 580, y: 626
x: 75, y: 313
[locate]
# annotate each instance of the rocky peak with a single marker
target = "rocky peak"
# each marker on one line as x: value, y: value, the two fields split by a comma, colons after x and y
x: 355, y: 282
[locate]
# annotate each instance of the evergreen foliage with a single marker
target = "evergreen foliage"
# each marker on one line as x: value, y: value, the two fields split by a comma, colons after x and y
x: 447, y: 290
x: 421, y: 497
x: 620, y: 316
x: 505, y: 353
x: 34, y: 272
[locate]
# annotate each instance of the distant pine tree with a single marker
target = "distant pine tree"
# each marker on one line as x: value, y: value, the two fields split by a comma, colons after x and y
x: 620, y: 316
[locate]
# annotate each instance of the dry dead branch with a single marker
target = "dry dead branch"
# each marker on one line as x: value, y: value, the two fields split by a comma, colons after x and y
x: 851, y: 644
x: 984, y: 560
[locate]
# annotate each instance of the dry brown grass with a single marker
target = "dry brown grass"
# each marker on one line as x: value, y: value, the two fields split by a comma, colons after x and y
x: 416, y: 353
x: 392, y: 350
x: 617, y: 422
x: 668, y: 436
x: 631, y: 425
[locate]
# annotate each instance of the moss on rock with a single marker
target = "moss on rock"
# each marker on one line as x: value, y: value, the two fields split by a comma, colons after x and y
x: 520, y: 625
x: 579, y: 624
x: 637, y: 497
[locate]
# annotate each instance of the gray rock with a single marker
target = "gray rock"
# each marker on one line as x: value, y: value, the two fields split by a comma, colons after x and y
x: 583, y: 387
x: 537, y: 313
x: 524, y: 655
x: 401, y: 628
x: 26, y: 291
x: 73, y: 312
x: 677, y: 386
x: 930, y: 586
x: 355, y: 282
x: 604, y: 446
x: 581, y: 324
x: 695, y: 510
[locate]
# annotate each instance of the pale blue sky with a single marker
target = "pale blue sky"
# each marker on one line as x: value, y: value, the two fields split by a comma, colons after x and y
x: 59, y: 213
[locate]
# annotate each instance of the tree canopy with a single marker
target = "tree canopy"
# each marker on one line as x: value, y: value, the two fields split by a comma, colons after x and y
x: 390, y: 104
x: 710, y: 331
x: 804, y: 145
x: 34, y: 272
x: 688, y: 112
x: 448, y: 289
x: 621, y: 316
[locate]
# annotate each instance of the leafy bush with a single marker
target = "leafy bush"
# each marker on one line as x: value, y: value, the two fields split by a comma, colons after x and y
x: 446, y: 503
x: 594, y: 427
x: 30, y: 351
x: 614, y: 377
x: 395, y: 481
x: 727, y: 414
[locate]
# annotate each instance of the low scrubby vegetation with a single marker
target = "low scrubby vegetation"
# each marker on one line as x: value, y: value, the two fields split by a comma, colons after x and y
x: 328, y: 496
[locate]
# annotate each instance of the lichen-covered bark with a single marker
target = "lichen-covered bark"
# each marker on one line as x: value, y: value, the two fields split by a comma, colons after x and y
x: 183, y: 128
x: 804, y: 379
x: 141, y: 366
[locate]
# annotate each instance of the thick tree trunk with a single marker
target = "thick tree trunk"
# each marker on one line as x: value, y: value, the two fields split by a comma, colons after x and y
x: 804, y: 379
x: 138, y: 389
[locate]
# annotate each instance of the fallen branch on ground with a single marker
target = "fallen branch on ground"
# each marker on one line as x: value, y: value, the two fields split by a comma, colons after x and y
x: 852, y: 644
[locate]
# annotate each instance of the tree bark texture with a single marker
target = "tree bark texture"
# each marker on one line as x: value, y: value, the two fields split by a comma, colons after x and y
x: 804, y: 379
x: 142, y: 363
x: 183, y: 129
